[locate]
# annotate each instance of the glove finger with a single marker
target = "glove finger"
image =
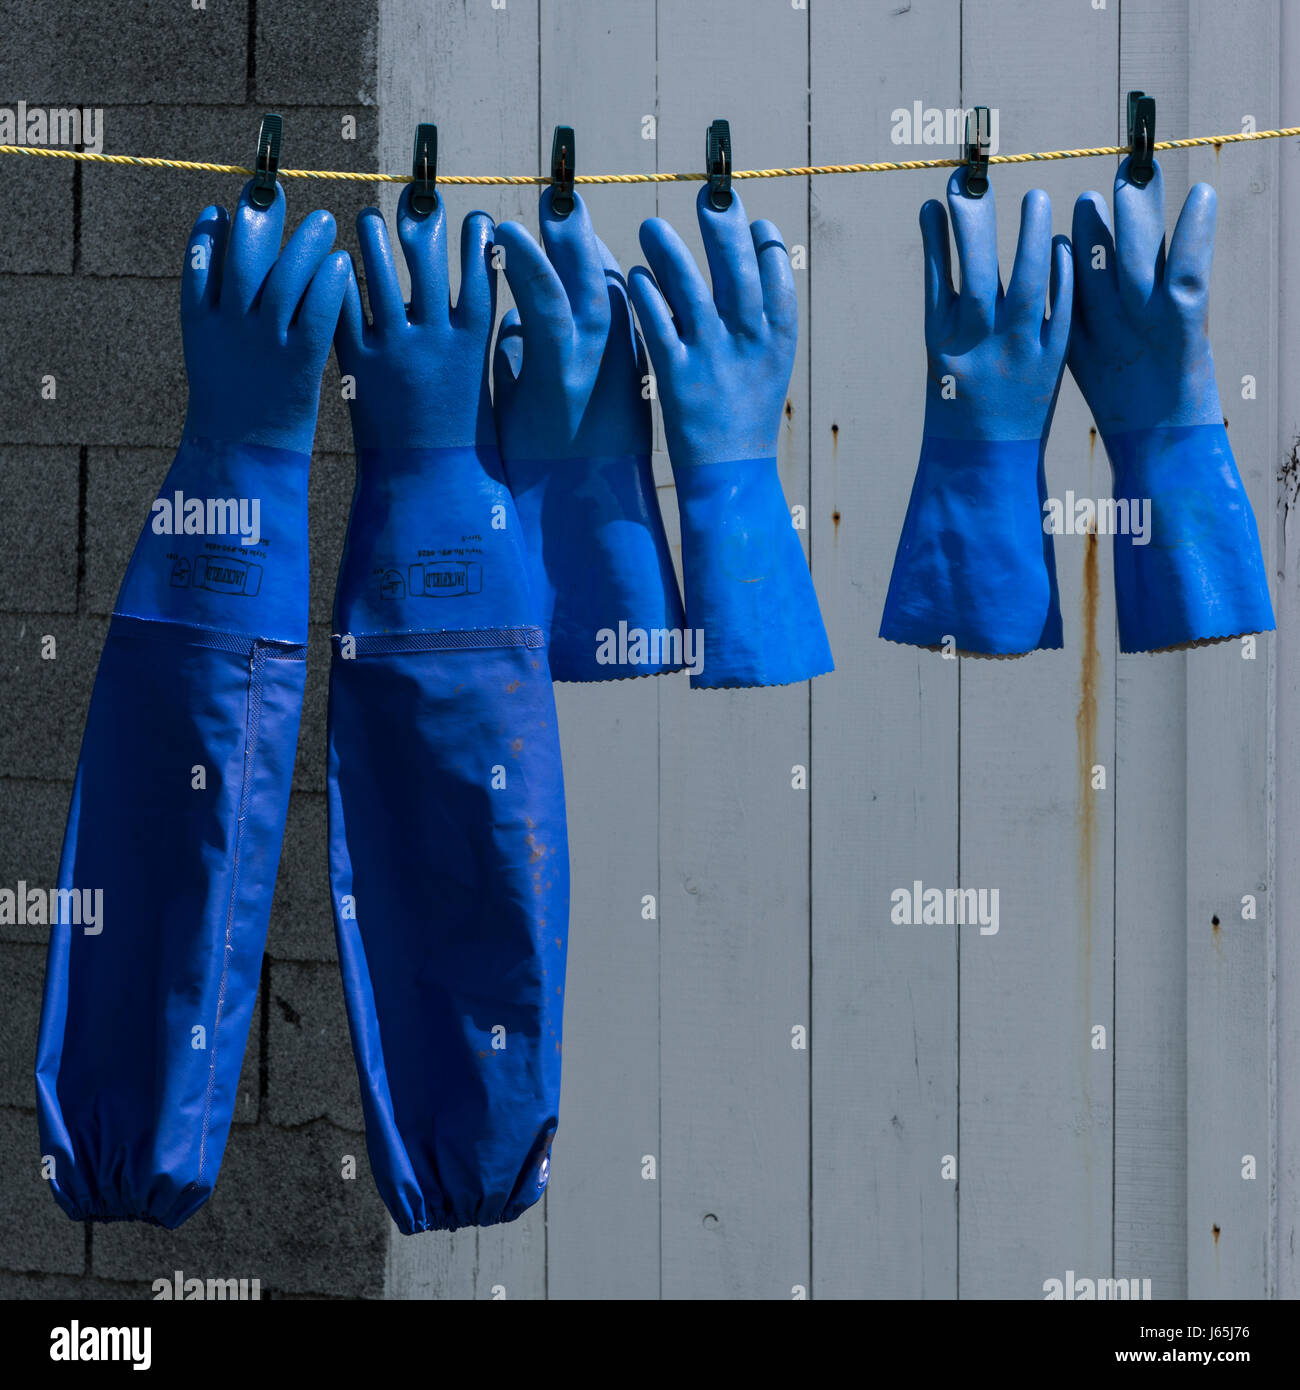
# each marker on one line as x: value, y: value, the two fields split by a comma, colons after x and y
x: 323, y: 303
x: 201, y: 276
x: 293, y: 271
x: 507, y: 361
x: 1191, y: 248
x: 574, y: 251
x: 936, y: 249
x: 1027, y: 291
x: 733, y: 262
x: 476, y: 305
x: 1139, y: 235
x: 509, y: 355
x: 622, y: 326
x: 775, y: 278
x: 974, y: 225
x: 655, y: 317
x: 350, y: 331
x: 251, y: 249
x: 387, y: 308
x: 1055, y: 335
x: 543, y: 305
x: 424, y: 244
x: 677, y: 280
x: 1094, y: 257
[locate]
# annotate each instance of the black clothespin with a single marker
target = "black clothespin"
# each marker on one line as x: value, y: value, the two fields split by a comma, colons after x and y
x: 717, y: 164
x: 977, y: 152
x: 262, y: 193
x: 562, y: 171
x: 424, y: 170
x: 1141, y: 138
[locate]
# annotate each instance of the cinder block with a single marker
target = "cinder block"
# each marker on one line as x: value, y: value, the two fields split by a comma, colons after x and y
x: 121, y: 484
x: 63, y: 1288
x: 137, y: 221
x: 113, y: 349
x: 333, y: 425
x: 45, y: 700
x: 329, y: 500
x: 38, y: 559
x: 248, y: 1101
x: 22, y: 967
x: 38, y: 1238
x: 302, y: 922
x: 311, y: 1072
x: 36, y: 221
x: 281, y: 1213
x: 309, y: 770
x: 315, y: 54
x: 35, y: 816
x: 148, y: 51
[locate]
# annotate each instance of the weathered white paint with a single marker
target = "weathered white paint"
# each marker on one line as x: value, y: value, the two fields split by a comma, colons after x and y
x: 1285, y: 1050
x: 1229, y: 812
x: 780, y: 1169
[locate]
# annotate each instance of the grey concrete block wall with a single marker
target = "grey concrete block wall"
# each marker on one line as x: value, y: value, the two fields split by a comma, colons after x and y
x: 302, y: 924
x: 135, y: 221
x: 47, y: 668
x: 138, y: 51
x: 90, y: 259
x: 36, y: 195
x: 38, y: 557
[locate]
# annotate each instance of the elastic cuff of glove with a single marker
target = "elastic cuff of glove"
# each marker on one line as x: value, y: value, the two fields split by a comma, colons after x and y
x: 118, y: 1208
x: 456, y: 1221
x: 225, y: 546
x: 1188, y: 564
x: 975, y: 570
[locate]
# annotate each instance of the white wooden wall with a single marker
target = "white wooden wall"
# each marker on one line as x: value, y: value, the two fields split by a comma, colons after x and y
x: 780, y: 1171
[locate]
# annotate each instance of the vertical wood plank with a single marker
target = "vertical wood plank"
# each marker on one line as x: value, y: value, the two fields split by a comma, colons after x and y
x: 1035, y: 1186
x: 734, y: 835
x: 1233, y: 72
x: 444, y: 63
x: 1286, y: 1043
x: 884, y: 1040
x: 1150, y: 1222
x: 603, y: 1216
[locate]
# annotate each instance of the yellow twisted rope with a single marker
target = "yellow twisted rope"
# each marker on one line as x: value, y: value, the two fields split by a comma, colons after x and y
x: 146, y: 162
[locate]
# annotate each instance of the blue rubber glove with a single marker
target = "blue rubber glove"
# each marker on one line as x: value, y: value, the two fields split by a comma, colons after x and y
x: 722, y: 363
x: 183, y: 783
x: 575, y: 432
x: 974, y: 567
x: 448, y: 851
x: 1141, y: 355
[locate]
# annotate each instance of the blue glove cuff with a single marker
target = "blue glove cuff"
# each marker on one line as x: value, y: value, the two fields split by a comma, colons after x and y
x: 225, y: 546
x: 751, y: 609
x: 1197, y: 573
x: 599, y: 566
x: 974, y: 564
x: 434, y: 543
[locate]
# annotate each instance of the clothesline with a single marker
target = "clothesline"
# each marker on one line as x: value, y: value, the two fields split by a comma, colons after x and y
x: 148, y: 162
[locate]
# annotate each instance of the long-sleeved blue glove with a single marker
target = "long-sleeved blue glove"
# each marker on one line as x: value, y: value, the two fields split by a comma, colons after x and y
x: 722, y: 362
x: 574, y: 427
x: 974, y: 567
x: 1141, y: 355
x: 181, y: 791
x: 448, y: 851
